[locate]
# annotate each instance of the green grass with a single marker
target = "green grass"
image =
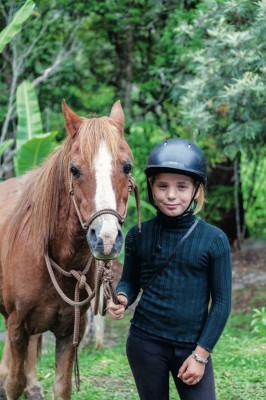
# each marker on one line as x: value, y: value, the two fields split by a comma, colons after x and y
x: 239, y: 361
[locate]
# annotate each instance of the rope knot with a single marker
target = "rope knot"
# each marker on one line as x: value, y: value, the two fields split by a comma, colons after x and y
x: 80, y: 277
x: 82, y: 282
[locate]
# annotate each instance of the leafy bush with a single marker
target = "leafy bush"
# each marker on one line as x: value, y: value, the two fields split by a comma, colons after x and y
x: 258, y: 322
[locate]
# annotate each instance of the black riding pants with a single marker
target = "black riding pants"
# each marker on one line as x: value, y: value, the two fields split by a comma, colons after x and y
x: 151, y: 364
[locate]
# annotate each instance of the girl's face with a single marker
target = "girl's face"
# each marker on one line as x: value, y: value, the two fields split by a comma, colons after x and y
x: 172, y: 193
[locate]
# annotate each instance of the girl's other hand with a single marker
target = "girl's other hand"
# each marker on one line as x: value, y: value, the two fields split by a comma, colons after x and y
x: 191, y: 372
x: 117, y: 310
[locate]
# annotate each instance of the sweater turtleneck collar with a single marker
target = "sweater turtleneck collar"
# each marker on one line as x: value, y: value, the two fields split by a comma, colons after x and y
x: 163, y: 221
x: 184, y: 221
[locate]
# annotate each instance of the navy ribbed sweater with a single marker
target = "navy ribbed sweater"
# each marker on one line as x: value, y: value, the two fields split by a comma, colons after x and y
x: 190, y: 300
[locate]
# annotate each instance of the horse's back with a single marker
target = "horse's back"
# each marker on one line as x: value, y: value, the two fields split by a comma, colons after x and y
x: 10, y: 191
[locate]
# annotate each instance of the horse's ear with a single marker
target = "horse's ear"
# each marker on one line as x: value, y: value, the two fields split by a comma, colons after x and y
x: 72, y: 120
x: 117, y: 114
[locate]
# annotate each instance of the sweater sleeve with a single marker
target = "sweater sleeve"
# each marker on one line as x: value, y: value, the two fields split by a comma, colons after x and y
x: 129, y: 283
x: 221, y: 292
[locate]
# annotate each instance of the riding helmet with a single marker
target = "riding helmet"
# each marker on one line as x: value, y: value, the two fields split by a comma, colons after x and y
x: 176, y: 156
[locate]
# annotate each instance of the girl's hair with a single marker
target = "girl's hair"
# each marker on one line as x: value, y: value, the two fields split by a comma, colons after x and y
x: 201, y: 198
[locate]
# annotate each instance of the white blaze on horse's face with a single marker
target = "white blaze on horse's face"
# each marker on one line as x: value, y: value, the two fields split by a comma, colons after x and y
x: 104, y: 235
x: 105, y: 195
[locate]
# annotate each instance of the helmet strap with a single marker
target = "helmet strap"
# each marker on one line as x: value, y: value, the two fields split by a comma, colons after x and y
x: 197, y: 185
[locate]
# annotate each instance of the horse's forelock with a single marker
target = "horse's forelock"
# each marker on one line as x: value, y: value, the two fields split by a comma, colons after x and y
x: 95, y: 130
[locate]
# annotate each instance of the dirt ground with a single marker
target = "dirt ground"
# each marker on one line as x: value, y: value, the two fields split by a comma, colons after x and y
x: 249, y: 264
x: 249, y: 273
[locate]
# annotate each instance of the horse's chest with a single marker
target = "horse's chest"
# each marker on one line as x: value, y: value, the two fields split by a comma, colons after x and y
x: 64, y: 320
x: 51, y: 318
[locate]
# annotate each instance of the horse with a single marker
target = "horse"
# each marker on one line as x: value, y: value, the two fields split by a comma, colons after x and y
x: 55, y: 222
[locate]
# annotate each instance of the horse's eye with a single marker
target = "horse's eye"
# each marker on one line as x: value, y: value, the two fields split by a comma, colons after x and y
x: 74, y: 171
x: 127, y: 167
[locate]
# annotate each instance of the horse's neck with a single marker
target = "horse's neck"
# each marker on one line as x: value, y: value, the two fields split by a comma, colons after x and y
x: 68, y: 260
x: 69, y: 245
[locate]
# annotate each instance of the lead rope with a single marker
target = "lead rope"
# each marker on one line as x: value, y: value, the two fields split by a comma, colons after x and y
x: 104, y: 276
x: 133, y: 187
x: 80, y: 285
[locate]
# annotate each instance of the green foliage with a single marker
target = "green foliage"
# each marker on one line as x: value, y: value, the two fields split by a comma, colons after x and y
x: 224, y: 90
x: 15, y: 25
x: 254, y: 193
x: 219, y: 201
x: 32, y: 146
x: 226, y: 95
x: 32, y: 153
x: 29, y: 117
x: 258, y: 322
x: 6, y: 36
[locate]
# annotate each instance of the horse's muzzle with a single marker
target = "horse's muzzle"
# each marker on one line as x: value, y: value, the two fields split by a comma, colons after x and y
x: 104, y: 245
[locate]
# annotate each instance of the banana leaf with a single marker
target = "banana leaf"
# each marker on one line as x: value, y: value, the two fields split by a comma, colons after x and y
x: 29, y: 116
x: 33, y: 152
x: 15, y: 25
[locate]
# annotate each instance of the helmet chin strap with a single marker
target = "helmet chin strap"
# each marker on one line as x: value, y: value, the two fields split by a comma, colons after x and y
x: 192, y: 199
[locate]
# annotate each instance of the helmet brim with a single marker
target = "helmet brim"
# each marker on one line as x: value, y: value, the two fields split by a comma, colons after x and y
x: 154, y: 170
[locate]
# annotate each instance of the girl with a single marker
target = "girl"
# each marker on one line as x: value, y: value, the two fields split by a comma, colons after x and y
x: 182, y: 264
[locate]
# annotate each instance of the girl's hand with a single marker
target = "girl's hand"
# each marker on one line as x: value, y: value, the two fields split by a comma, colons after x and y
x: 117, y: 310
x: 191, y: 371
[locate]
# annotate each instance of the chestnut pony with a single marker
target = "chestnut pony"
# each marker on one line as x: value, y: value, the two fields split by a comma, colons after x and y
x: 65, y: 212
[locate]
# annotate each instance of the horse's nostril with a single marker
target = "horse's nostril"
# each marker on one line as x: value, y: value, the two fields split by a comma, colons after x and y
x: 91, y: 235
x: 120, y: 234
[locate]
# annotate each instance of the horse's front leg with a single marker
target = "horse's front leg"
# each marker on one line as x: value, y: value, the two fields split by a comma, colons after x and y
x: 33, y: 390
x: 18, y: 343
x: 64, y: 358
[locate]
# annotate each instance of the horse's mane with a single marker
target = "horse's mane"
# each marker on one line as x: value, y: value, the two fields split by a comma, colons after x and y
x: 39, y: 204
